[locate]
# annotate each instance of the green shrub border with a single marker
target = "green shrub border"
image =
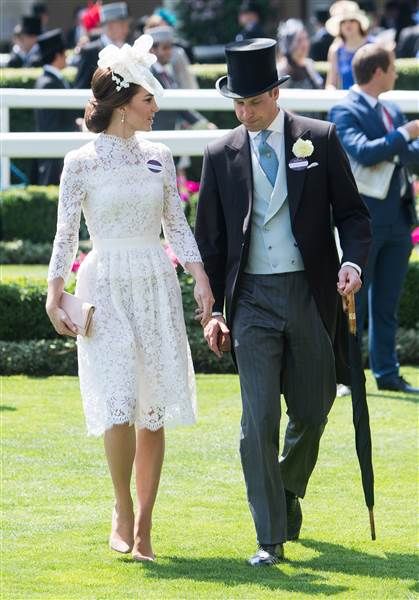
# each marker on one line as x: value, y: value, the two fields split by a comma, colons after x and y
x: 30, y: 345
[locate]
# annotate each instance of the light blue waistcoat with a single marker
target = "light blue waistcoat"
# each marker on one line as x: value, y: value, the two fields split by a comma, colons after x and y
x: 273, y: 248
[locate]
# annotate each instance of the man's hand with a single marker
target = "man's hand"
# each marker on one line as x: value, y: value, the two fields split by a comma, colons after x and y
x: 212, y: 333
x: 348, y: 281
x: 412, y: 127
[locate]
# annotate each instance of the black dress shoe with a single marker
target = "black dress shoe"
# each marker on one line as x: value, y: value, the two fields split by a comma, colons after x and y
x: 396, y: 384
x: 294, y: 516
x: 267, y: 555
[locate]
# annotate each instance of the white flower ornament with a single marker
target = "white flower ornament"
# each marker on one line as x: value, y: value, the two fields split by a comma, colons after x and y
x: 303, y: 148
x: 131, y: 64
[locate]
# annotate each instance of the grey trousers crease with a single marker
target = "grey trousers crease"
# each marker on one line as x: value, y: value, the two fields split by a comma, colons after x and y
x: 280, y: 344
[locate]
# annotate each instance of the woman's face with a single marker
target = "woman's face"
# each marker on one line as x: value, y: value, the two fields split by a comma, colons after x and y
x: 350, y: 28
x: 140, y: 110
x: 301, y: 45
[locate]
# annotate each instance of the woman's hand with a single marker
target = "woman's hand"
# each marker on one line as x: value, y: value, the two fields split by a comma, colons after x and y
x: 204, y: 298
x: 61, y: 321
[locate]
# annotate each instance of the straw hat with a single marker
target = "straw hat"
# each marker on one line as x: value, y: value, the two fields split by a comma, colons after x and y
x: 345, y: 11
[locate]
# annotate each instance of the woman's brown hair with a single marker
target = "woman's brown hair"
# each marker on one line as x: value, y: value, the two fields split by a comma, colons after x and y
x: 105, y: 99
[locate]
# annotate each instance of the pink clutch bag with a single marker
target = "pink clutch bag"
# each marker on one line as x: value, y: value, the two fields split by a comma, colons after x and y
x: 79, y: 312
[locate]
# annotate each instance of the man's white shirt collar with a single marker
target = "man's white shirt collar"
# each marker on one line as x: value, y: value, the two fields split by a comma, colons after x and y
x: 277, y: 125
x: 372, y: 101
x: 53, y: 70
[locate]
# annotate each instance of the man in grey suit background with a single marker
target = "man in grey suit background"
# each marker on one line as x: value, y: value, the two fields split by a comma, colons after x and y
x: 264, y: 228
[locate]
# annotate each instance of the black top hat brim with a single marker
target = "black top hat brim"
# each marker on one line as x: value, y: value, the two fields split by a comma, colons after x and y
x: 221, y: 86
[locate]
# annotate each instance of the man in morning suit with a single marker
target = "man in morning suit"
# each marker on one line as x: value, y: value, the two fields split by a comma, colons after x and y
x: 52, y: 51
x: 373, y: 131
x: 264, y: 230
x: 25, y: 52
x: 115, y: 22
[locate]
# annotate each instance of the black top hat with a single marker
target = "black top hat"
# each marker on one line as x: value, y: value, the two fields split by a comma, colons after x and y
x: 40, y: 8
x: 50, y: 43
x: 31, y: 25
x: 251, y: 68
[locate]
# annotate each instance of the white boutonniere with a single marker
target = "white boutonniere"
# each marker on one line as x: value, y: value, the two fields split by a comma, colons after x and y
x: 303, y: 148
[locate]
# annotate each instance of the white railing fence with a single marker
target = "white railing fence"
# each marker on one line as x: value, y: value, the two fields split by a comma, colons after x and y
x: 192, y: 143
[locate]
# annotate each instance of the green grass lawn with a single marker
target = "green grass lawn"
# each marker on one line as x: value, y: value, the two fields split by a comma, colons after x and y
x: 57, y: 503
x: 30, y: 271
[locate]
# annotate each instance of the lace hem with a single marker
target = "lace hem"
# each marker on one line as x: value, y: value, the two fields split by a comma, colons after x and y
x: 143, y: 423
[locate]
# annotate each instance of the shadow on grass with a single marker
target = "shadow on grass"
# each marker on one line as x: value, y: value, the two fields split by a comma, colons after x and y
x: 339, y: 559
x: 233, y: 572
x: 330, y: 558
x: 414, y: 398
x: 5, y: 407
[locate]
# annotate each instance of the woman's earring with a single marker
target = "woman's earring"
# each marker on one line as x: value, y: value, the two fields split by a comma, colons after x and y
x: 123, y: 117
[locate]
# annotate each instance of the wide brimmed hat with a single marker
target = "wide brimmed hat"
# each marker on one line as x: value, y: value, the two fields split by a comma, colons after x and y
x: 116, y: 11
x: 51, y: 43
x: 347, y: 13
x: 251, y: 69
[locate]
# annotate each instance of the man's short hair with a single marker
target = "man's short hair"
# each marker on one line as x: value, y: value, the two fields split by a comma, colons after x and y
x: 367, y: 60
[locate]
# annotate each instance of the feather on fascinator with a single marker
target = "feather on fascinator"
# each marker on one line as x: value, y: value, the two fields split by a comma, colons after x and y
x: 131, y: 64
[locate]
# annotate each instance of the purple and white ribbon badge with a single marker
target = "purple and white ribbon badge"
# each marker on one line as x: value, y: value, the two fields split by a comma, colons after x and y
x: 154, y: 166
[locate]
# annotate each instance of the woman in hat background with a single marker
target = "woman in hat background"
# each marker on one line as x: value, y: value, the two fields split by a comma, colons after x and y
x: 294, y: 49
x: 135, y: 369
x: 349, y: 26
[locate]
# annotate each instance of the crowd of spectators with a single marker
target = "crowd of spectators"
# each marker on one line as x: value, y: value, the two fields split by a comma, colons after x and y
x: 333, y: 35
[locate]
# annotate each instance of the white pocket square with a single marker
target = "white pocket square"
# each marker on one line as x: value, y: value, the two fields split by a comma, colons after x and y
x: 312, y: 165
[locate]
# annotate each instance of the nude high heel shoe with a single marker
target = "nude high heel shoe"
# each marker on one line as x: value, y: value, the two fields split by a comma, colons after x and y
x: 117, y: 544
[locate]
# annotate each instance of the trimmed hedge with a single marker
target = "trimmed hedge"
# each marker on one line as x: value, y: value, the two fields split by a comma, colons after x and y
x: 407, y: 71
x: 30, y: 345
x: 409, y: 302
x: 59, y: 356
x: 31, y: 214
x: 25, y: 252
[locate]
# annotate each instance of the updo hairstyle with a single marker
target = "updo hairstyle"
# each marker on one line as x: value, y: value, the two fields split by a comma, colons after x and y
x: 105, y: 99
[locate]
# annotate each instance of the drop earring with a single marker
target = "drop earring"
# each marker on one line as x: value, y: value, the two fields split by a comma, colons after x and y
x: 123, y: 117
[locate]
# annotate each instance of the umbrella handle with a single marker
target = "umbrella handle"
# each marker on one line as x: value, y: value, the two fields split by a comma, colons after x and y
x: 349, y: 307
x: 372, y: 523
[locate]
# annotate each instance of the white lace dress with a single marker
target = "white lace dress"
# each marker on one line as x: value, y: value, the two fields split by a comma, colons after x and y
x: 136, y: 366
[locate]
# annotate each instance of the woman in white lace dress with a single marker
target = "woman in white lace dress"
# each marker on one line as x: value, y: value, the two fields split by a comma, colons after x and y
x: 135, y: 369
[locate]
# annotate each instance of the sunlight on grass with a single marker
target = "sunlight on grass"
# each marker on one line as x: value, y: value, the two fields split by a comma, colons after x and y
x: 57, y: 504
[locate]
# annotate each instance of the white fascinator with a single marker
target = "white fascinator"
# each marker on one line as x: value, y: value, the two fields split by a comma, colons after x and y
x: 131, y: 64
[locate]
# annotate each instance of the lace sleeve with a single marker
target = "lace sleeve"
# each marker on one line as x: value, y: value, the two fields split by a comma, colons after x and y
x: 175, y: 226
x: 68, y: 220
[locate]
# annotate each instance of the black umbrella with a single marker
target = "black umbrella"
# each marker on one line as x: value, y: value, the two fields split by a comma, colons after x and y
x: 360, y: 413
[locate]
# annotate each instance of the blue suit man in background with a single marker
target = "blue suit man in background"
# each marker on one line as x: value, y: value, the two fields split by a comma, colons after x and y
x: 371, y: 132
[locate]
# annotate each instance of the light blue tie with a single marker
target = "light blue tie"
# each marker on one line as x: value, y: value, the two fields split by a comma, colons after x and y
x: 268, y: 159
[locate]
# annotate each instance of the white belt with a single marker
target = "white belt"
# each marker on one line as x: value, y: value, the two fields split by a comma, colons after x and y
x: 123, y: 243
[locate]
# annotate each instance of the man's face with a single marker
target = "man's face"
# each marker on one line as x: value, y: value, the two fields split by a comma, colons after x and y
x: 163, y: 51
x: 248, y: 18
x: 258, y: 112
x: 388, y: 78
x: 117, y: 31
x: 26, y: 42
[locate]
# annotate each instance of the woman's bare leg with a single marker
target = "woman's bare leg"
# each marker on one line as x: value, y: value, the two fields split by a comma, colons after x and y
x: 120, y: 451
x: 148, y: 465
